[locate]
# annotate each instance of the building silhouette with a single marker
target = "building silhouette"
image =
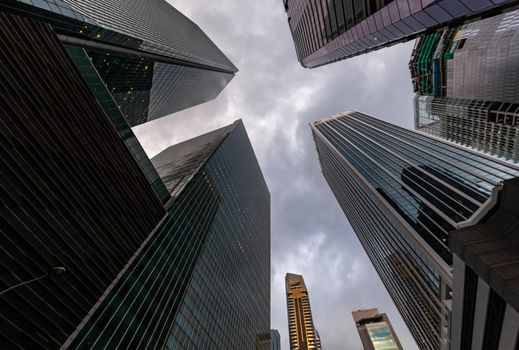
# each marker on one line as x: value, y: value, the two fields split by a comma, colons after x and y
x: 327, y: 31
x: 403, y: 192
x: 153, y: 60
x: 375, y: 330
x: 302, y: 332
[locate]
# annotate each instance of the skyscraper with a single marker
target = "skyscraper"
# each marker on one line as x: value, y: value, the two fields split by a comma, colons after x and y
x: 71, y: 192
x: 486, y: 271
x: 375, y: 330
x: 301, y: 327
x: 275, y: 340
x: 153, y: 60
x: 326, y: 31
x: 143, y: 255
x: 191, y: 283
x: 466, y: 84
x: 403, y: 192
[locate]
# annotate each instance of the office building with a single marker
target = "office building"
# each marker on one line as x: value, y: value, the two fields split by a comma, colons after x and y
x: 153, y: 60
x: 301, y: 327
x: 375, y: 330
x: 141, y: 270
x: 326, y: 31
x: 403, y: 192
x: 192, y: 282
x: 275, y: 340
x: 466, y: 84
x: 486, y: 270
x: 67, y: 180
x: 485, y: 126
x: 475, y: 61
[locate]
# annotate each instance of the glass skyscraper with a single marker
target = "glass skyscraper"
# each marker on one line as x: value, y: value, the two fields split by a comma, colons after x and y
x: 169, y: 261
x: 466, y: 84
x: 326, y: 31
x: 403, y: 192
x: 202, y: 278
x: 153, y: 60
x: 71, y: 192
x: 301, y: 329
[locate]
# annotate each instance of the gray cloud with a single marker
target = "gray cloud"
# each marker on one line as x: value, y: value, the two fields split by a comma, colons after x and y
x: 276, y: 98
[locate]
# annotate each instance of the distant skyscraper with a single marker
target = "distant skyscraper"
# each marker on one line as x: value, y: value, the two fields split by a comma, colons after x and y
x: 153, y: 60
x: 466, y: 84
x: 375, y: 330
x: 275, y: 340
x: 301, y: 327
x: 403, y: 192
x: 317, y: 339
x: 326, y: 31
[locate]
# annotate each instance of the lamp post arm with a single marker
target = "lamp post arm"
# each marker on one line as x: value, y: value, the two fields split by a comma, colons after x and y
x: 23, y: 283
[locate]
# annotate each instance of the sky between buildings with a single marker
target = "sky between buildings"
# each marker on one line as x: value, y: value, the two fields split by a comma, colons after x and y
x: 276, y: 98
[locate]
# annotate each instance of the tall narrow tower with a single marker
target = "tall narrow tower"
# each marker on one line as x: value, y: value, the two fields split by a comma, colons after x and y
x: 300, y: 323
x: 403, y: 192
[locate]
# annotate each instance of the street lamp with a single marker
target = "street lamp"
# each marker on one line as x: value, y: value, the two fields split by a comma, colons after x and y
x: 57, y: 270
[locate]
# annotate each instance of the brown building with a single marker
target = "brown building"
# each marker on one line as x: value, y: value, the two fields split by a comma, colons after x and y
x: 303, y: 335
x: 375, y: 330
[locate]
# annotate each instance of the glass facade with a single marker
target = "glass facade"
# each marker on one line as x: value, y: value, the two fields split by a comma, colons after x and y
x: 191, y: 284
x: 146, y: 89
x: 476, y: 61
x: 466, y: 84
x: 403, y: 192
x: 106, y: 101
x: 154, y: 60
x: 325, y: 31
x: 381, y: 336
x: 490, y: 127
x: 78, y: 191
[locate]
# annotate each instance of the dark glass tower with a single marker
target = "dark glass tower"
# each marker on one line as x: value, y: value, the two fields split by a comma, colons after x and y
x: 71, y: 192
x: 150, y: 262
x: 202, y: 278
x: 403, y: 192
x: 153, y: 60
x: 326, y: 31
x: 466, y: 84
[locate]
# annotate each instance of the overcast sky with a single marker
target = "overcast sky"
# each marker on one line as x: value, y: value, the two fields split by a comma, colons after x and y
x: 276, y: 98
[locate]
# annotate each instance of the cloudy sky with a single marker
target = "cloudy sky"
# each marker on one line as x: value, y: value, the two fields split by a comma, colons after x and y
x: 276, y: 98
